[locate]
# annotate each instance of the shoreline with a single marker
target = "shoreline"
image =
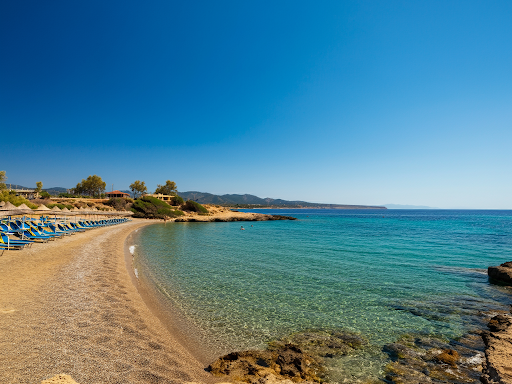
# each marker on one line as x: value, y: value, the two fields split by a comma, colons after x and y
x: 171, y: 317
x: 69, y: 307
x: 73, y: 306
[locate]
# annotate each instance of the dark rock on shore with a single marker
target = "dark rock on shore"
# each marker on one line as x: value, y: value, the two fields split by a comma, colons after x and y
x: 288, y: 362
x: 299, y: 357
x: 225, y: 219
x: 501, y: 274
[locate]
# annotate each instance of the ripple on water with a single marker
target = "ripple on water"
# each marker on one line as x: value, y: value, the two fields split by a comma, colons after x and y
x: 383, y: 277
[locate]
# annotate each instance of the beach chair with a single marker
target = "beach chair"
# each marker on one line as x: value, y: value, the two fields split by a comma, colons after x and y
x: 55, y: 228
x: 6, y: 241
x: 28, y: 235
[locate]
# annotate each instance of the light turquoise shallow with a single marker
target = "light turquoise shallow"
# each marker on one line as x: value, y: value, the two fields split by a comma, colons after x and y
x: 380, y: 273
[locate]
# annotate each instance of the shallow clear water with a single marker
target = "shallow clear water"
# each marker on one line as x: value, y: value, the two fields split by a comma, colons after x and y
x: 382, y: 273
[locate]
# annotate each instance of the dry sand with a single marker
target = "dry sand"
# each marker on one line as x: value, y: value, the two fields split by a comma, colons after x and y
x: 69, y: 307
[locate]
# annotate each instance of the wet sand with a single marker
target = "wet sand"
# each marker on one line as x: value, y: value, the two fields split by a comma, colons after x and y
x: 70, y: 307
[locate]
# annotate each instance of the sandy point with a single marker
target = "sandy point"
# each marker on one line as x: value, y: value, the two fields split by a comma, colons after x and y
x: 69, y: 308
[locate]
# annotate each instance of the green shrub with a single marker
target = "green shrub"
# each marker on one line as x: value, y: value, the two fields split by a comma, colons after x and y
x: 178, y: 200
x: 15, y: 200
x: 119, y: 203
x: 193, y: 206
x: 60, y: 205
x: 153, y: 208
x: 65, y: 194
x: 44, y: 195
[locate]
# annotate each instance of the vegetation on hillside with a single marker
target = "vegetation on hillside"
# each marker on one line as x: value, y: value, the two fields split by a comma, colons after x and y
x: 193, y: 206
x: 11, y: 197
x: 177, y: 200
x: 60, y: 205
x: 44, y: 195
x: 153, y: 208
x: 120, y: 203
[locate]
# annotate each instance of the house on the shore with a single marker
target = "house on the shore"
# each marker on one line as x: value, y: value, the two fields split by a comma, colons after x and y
x: 117, y: 194
x: 27, y: 193
x: 160, y: 196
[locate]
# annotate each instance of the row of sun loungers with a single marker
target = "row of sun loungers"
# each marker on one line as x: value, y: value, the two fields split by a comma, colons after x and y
x: 18, y: 234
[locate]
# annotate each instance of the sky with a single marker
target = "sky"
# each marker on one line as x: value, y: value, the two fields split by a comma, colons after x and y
x: 347, y: 102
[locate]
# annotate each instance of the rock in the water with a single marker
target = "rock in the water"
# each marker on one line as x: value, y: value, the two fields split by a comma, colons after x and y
x: 497, y: 368
x: 449, y: 356
x: 323, y: 343
x: 289, y: 362
x: 422, y: 360
x: 501, y: 274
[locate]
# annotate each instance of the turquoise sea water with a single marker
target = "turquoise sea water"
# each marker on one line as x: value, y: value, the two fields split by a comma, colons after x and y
x: 381, y: 273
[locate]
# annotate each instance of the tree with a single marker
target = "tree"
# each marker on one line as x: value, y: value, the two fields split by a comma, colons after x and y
x: 39, y: 185
x: 2, y: 180
x: 92, y: 186
x: 138, y: 188
x: 169, y: 188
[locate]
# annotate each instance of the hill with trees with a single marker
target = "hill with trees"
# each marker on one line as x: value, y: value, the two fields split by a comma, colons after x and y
x: 251, y: 201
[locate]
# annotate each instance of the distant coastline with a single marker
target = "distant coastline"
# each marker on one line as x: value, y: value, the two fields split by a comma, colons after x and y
x: 330, y: 206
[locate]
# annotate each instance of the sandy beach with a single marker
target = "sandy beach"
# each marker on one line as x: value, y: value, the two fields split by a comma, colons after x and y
x: 69, y: 307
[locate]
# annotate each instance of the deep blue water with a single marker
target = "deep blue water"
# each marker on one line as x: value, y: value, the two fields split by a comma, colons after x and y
x: 381, y: 273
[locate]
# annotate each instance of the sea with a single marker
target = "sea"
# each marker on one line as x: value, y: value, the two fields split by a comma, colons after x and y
x: 381, y: 274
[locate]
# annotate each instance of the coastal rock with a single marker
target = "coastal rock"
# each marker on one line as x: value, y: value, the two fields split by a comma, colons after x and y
x: 235, y: 216
x: 418, y: 360
x: 287, y: 363
x: 497, y: 368
x: 500, y: 322
x: 322, y: 343
x: 501, y: 274
x: 299, y: 357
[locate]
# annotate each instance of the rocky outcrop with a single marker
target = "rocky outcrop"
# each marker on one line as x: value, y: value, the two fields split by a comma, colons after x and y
x: 497, y: 368
x: 501, y: 274
x: 322, y: 343
x: 288, y: 363
x: 233, y: 217
x: 420, y: 360
x: 299, y: 357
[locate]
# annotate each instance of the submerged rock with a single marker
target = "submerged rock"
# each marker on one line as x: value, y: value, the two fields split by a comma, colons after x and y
x: 323, y: 343
x: 417, y: 360
x: 298, y: 357
x: 501, y: 274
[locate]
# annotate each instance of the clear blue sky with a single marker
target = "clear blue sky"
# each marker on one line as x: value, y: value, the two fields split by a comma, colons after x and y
x: 356, y: 102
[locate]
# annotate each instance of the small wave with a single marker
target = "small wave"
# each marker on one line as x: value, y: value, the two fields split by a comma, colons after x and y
x: 136, y: 272
x: 475, y: 360
x: 132, y: 249
x: 462, y: 270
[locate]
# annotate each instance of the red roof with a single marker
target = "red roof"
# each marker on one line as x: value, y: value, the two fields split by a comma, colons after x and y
x: 117, y: 193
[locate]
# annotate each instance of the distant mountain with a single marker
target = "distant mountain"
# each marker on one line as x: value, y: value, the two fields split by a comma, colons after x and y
x: 51, y: 191
x: 255, y: 201
x: 400, y: 206
x: 55, y: 190
x: 16, y: 186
